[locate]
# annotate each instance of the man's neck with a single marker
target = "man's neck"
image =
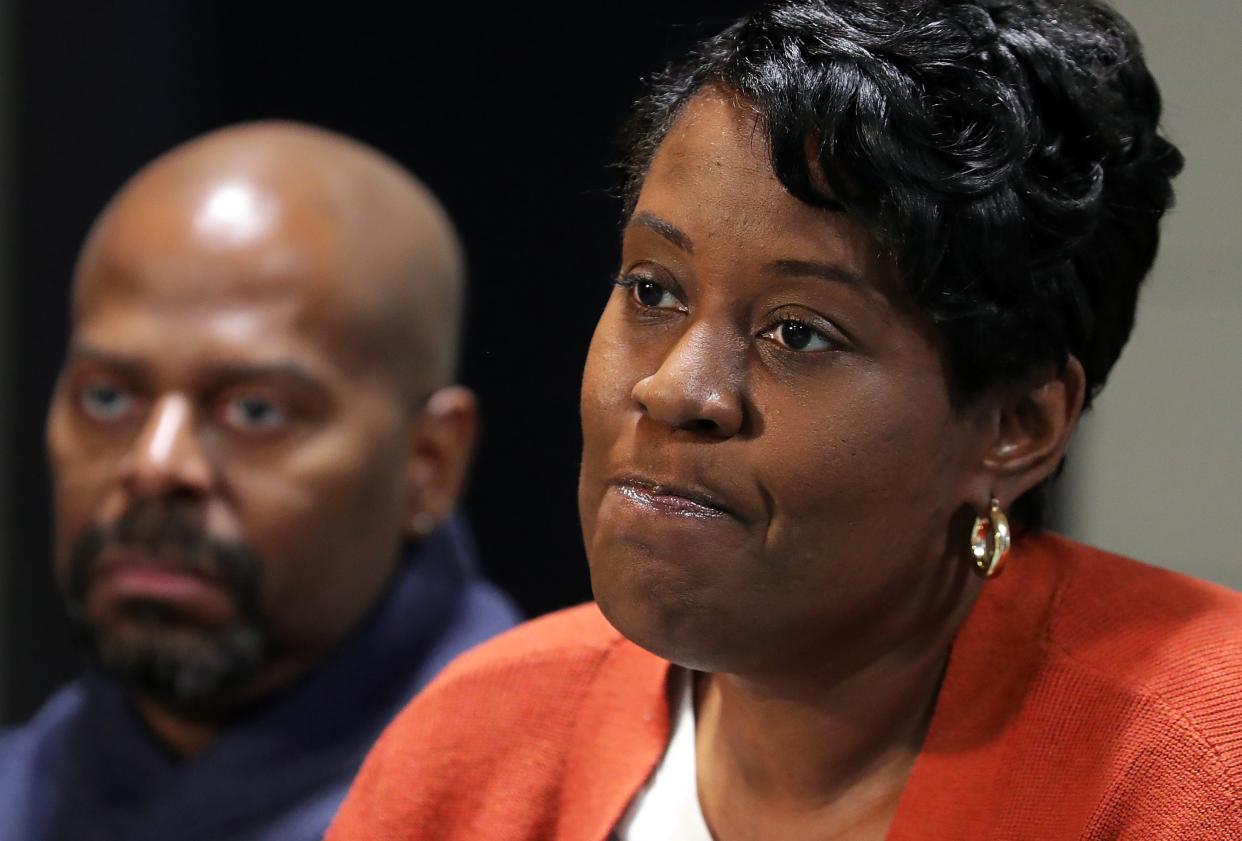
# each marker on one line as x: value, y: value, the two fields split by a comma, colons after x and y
x: 186, y: 729
x: 183, y: 735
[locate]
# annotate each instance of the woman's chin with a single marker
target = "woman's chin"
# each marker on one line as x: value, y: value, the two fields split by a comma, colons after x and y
x: 681, y: 629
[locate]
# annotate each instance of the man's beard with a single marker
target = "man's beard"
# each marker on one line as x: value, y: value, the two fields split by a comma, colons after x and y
x: 158, y: 652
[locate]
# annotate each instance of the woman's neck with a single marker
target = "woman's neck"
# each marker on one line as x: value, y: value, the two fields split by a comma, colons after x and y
x: 815, y: 755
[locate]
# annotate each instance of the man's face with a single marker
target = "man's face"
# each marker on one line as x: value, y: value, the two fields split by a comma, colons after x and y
x: 228, y: 463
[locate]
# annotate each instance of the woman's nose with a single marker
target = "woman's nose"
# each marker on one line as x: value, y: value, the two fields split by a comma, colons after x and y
x: 698, y: 386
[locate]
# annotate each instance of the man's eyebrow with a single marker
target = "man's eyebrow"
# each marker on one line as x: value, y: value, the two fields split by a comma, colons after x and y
x: 291, y: 371
x: 134, y: 366
x: 129, y: 364
x: 831, y: 272
x: 664, y: 228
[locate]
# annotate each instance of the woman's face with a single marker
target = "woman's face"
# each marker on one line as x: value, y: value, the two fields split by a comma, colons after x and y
x: 772, y: 472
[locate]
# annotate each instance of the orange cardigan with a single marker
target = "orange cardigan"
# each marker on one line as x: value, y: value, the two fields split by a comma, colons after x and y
x: 1087, y: 697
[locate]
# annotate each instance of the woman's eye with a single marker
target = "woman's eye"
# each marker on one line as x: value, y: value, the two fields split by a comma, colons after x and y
x: 649, y: 294
x: 254, y: 414
x: 798, y: 335
x: 105, y: 403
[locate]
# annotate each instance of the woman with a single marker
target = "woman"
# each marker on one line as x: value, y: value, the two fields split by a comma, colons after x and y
x: 878, y: 256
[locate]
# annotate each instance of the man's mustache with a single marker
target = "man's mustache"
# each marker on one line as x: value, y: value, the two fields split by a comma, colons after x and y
x: 171, y: 538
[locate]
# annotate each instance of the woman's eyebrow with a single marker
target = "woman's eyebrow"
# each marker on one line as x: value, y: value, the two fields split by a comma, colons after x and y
x: 832, y: 272
x: 664, y: 228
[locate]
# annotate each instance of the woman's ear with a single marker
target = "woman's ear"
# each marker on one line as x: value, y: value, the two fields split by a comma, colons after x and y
x: 1033, y: 425
x: 442, y: 440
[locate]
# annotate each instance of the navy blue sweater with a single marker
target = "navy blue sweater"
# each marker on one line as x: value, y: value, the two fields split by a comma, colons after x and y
x: 86, y: 768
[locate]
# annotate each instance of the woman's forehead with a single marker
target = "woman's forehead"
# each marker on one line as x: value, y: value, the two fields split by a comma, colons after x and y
x: 711, y: 188
x: 717, y: 134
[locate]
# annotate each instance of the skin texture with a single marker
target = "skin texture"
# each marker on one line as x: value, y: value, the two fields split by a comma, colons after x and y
x: 264, y: 329
x: 787, y: 509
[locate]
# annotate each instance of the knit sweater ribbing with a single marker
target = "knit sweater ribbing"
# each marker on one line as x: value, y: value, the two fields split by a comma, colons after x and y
x: 1087, y: 697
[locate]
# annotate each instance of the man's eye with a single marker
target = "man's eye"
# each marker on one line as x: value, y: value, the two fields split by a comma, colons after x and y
x: 797, y: 335
x: 254, y: 414
x: 105, y: 403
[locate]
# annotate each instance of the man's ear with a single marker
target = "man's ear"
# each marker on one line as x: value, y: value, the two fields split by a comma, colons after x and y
x: 442, y: 440
x: 1033, y: 425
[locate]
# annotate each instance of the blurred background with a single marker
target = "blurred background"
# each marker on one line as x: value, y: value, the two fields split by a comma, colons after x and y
x: 509, y: 112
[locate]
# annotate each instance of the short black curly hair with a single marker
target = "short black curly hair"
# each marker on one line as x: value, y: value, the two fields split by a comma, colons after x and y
x: 1007, y: 152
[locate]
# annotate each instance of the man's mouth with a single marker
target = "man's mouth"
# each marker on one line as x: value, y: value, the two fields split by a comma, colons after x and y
x: 157, y: 582
x: 122, y: 560
x: 124, y: 574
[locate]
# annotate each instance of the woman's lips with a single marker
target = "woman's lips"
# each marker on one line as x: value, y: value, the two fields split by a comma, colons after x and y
x: 668, y: 499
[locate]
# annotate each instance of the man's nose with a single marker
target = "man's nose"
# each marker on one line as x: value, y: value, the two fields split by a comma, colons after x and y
x: 698, y: 386
x: 168, y: 456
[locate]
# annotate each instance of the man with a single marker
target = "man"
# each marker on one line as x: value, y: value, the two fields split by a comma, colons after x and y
x: 256, y: 449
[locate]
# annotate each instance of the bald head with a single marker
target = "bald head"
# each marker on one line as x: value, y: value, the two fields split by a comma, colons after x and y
x: 264, y: 334
x: 283, y: 209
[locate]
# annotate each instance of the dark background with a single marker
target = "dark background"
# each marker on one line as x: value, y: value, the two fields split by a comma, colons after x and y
x: 508, y: 111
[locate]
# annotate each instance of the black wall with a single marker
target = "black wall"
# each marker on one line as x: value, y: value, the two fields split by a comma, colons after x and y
x: 507, y: 110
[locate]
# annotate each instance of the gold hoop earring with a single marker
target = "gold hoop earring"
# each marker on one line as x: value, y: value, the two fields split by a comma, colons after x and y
x: 992, y: 529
